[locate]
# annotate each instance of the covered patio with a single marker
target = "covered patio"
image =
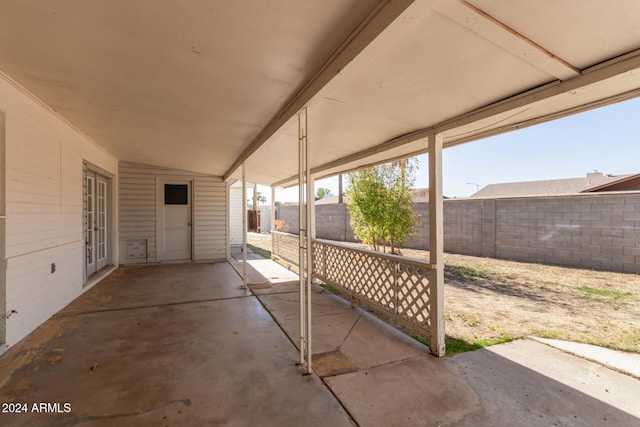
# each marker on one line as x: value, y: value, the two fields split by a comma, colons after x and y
x: 123, y: 126
x: 185, y: 345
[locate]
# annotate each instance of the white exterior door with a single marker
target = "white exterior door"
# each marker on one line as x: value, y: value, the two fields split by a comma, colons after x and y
x: 101, y: 222
x: 175, y: 221
x: 91, y: 215
x: 97, y: 251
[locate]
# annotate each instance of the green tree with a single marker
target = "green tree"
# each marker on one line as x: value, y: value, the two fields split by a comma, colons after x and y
x: 261, y: 198
x: 323, y: 192
x: 380, y: 203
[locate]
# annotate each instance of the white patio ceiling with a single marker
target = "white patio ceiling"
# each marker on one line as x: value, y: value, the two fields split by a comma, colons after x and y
x: 204, y: 85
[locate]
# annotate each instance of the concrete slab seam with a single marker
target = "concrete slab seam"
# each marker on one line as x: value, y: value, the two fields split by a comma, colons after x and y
x: 351, y: 418
x: 350, y: 330
x: 276, y: 293
x: 108, y: 310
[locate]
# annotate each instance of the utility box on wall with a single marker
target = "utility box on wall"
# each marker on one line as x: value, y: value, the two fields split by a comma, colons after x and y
x: 136, y: 250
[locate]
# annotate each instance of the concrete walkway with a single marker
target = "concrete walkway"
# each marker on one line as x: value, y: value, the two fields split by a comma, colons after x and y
x: 164, y: 345
x: 185, y: 345
x: 384, y: 378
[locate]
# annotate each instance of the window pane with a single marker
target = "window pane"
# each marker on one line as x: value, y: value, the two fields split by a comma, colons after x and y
x: 176, y: 194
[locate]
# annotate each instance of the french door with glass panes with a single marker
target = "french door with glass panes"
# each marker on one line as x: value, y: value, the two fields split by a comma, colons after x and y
x: 96, y: 243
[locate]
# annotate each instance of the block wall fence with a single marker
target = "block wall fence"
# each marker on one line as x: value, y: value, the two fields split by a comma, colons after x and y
x: 595, y: 231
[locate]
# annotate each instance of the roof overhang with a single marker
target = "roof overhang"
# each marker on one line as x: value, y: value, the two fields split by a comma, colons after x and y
x: 207, y: 86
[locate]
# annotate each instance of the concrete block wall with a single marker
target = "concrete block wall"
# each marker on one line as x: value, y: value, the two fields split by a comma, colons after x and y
x: 591, y: 231
x: 598, y: 231
x: 289, y: 214
x: 332, y: 221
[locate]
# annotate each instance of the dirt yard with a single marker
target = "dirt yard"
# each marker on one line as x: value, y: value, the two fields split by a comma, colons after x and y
x: 491, y: 300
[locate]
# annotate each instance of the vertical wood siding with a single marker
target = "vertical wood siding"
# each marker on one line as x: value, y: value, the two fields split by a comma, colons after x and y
x: 235, y: 215
x: 137, y: 216
x: 137, y: 205
x: 44, y: 209
x: 210, y: 228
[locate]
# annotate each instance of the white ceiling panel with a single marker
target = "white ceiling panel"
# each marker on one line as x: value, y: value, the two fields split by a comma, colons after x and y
x: 205, y: 85
x: 158, y: 82
x: 583, y: 33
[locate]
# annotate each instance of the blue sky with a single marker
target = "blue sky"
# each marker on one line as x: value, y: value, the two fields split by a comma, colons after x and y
x: 606, y: 139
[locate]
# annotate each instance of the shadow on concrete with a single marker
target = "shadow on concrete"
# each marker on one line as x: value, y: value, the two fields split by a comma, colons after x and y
x: 141, y: 349
x: 184, y: 345
x: 522, y: 383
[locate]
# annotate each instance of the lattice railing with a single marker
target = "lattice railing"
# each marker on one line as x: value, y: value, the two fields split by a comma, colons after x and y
x: 395, y: 285
x: 285, y: 246
x: 398, y: 286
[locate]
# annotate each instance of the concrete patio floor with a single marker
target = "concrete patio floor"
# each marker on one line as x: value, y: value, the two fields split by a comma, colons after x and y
x: 185, y: 345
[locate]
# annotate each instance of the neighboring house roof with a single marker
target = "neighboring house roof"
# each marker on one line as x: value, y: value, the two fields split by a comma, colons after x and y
x: 552, y: 187
x: 630, y: 183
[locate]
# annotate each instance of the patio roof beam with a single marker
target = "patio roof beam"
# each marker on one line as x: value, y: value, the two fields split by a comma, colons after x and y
x: 623, y: 64
x: 451, y: 142
x: 381, y: 148
x: 589, y: 76
x: 381, y: 17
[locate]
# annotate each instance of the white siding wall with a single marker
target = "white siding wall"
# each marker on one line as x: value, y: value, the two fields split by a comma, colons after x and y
x: 137, y: 208
x: 235, y: 216
x: 138, y: 211
x: 3, y: 275
x: 210, y: 228
x: 44, y: 196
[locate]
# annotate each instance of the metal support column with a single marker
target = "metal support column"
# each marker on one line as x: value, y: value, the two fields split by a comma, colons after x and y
x: 305, y: 249
x: 436, y: 246
x: 273, y: 215
x: 311, y: 234
x: 273, y: 208
x: 227, y: 189
x: 244, y: 229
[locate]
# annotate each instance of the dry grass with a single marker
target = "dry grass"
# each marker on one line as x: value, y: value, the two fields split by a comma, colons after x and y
x: 488, y: 299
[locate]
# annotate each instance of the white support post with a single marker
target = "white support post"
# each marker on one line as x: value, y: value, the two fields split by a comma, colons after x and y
x: 227, y: 187
x: 312, y: 221
x: 304, y: 238
x: 244, y: 228
x: 273, y: 208
x: 273, y: 215
x: 311, y: 234
x: 436, y: 246
x: 311, y: 194
x: 301, y: 253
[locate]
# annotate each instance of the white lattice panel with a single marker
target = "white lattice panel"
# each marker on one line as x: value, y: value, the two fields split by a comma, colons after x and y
x: 397, y: 285
x: 286, y: 246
